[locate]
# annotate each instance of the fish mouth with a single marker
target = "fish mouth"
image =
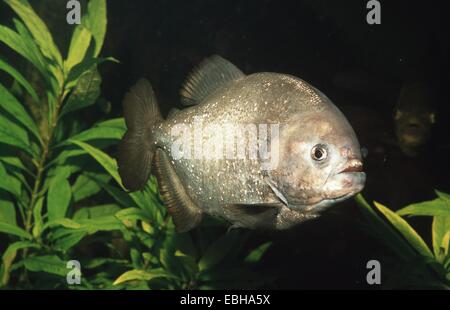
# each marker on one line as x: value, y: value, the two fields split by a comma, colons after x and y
x: 352, y: 178
x: 353, y: 166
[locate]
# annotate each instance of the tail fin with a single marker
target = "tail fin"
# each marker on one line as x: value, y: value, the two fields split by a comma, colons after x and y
x: 137, y: 146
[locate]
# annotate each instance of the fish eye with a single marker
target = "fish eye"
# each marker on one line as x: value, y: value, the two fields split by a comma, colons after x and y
x: 319, y: 152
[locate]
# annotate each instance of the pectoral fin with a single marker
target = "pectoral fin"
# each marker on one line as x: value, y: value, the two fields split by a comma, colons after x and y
x: 185, y: 213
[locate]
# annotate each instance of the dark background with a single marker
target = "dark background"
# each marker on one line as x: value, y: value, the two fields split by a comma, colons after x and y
x: 319, y: 41
x: 330, y: 45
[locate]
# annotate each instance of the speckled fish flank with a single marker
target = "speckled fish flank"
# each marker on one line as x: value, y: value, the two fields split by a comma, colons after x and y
x: 318, y: 156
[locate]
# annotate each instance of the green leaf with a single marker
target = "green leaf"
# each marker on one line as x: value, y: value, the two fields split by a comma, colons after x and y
x: 85, y: 92
x: 257, y: 253
x: 383, y: 231
x: 19, y: 44
x: 96, y: 21
x: 84, y: 66
x: 10, y: 254
x: 170, y: 262
x: 86, y: 225
x: 14, y: 41
x: 188, y: 263
x: 58, y: 198
x: 67, y: 242
x: 184, y: 244
x: 147, y: 199
x: 446, y: 265
x: 34, y: 54
x: 9, y: 157
x: 104, y: 223
x: 7, y: 211
x: 443, y: 196
x: 38, y: 225
x: 93, y: 26
x: 8, y: 183
x: 14, y: 230
x: 132, y: 214
x: 79, y: 45
x: 47, y: 263
x: 14, y: 135
x: 37, y: 28
x: 8, y: 137
x: 142, y: 275
x: 445, y: 245
x: 95, y: 212
x: 72, y: 153
x: 102, y: 158
x: 10, y: 104
x: 63, y: 171
x: 440, y: 227
x: 218, y: 251
x: 436, y: 207
x: 98, y: 262
x: 19, y: 78
x: 66, y: 156
x: 112, y: 129
x: 119, y: 195
x: 136, y: 258
x: 84, y: 187
x: 406, y: 230
x: 64, y: 222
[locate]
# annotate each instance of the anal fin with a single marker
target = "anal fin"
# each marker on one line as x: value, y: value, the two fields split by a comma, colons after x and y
x: 185, y: 213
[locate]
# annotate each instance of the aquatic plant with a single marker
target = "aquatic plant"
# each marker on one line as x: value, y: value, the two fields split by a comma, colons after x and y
x: 61, y: 198
x: 416, y: 265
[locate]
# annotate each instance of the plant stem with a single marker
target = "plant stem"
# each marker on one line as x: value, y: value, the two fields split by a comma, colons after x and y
x: 40, y: 166
x: 36, y: 187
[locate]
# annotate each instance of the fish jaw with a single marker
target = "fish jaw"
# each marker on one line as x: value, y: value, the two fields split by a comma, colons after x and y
x: 338, y: 188
x: 344, y: 185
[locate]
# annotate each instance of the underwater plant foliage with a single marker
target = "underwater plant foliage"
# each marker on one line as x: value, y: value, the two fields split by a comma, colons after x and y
x: 61, y: 198
x: 415, y: 265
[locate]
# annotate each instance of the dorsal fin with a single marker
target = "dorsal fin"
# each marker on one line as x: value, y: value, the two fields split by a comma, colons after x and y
x: 211, y: 74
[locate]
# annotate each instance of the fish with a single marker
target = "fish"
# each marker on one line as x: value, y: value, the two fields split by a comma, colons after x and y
x: 264, y: 151
x: 414, y: 117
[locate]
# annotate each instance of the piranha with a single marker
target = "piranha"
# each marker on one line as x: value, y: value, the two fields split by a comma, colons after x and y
x: 296, y: 156
x: 414, y: 117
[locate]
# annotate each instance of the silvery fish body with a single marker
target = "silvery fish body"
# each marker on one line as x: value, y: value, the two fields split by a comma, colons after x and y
x: 264, y: 151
